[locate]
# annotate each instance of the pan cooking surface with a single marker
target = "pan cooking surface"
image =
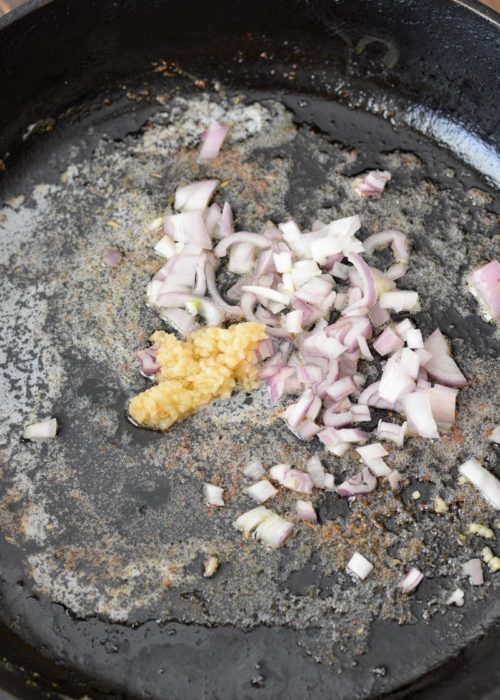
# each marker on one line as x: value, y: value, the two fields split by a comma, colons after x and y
x: 106, y: 530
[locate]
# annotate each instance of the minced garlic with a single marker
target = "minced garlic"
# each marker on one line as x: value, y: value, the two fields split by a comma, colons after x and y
x: 208, y: 365
x: 481, y: 531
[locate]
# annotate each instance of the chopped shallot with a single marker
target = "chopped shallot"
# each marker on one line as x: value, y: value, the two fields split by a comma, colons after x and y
x: 474, y: 570
x: 213, y: 139
x: 372, y: 183
x: 456, y: 598
x: 254, y: 470
x: 359, y: 566
x: 261, y: 491
x: 411, y: 580
x: 485, y: 285
x: 213, y: 495
x: 305, y: 511
x: 42, y: 430
x: 485, y: 482
x: 494, y: 436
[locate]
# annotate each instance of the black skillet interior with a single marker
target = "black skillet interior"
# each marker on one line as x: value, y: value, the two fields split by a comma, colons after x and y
x: 59, y: 60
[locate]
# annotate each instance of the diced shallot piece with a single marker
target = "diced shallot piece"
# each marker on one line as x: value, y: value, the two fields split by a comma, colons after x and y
x: 485, y: 285
x: 485, y: 482
x: 411, y: 580
x: 359, y: 566
x: 474, y: 570
x: 305, y: 511
x: 254, y: 470
x: 41, y: 430
x: 359, y: 485
x: 213, y: 495
x: 261, y: 491
x: 442, y: 366
x: 213, y: 139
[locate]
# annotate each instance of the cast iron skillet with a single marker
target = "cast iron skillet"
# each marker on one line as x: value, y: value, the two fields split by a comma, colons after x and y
x: 58, y: 60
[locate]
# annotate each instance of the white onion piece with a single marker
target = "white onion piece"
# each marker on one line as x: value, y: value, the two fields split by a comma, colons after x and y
x: 305, y: 511
x: 41, y: 430
x: 254, y: 470
x: 485, y: 482
x: 485, y: 285
x: 358, y: 485
x: 442, y: 366
x: 494, y: 436
x: 456, y: 598
x: 261, y: 491
x: 213, y: 495
x: 213, y: 139
x: 411, y: 580
x: 417, y: 407
x: 112, y: 257
x: 165, y: 247
x: 474, y: 570
x: 195, y: 196
x: 391, y: 431
x: 402, y: 300
x: 274, y: 531
x: 359, y: 566
x: 316, y: 471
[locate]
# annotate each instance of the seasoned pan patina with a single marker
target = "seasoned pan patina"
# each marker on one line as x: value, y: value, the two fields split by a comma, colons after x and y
x: 107, y: 520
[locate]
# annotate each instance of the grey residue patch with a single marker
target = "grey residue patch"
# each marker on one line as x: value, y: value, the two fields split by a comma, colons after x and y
x: 112, y: 517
